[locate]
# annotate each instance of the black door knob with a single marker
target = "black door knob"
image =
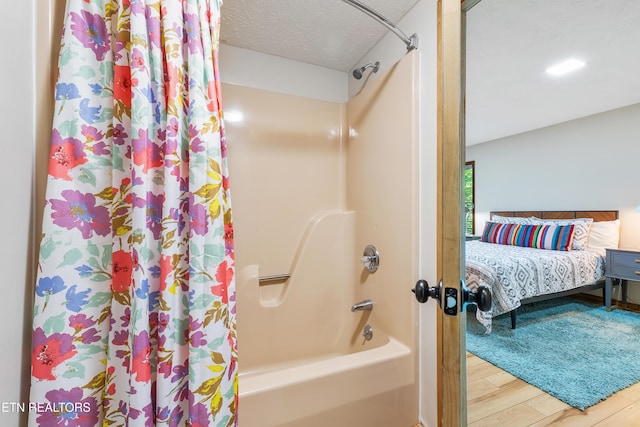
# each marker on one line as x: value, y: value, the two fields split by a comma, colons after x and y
x: 423, y: 291
x: 480, y: 297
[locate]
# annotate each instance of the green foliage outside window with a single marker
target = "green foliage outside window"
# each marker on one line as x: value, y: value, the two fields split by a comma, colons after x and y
x: 469, y: 197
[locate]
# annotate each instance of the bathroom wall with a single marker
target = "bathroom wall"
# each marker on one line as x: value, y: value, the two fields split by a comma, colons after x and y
x: 16, y: 175
x: 382, y: 190
x: 284, y: 76
x: 293, y: 159
x: 27, y: 85
x: 286, y: 157
x: 422, y: 20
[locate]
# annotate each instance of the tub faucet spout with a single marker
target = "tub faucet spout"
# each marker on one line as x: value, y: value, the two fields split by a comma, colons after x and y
x: 366, y: 305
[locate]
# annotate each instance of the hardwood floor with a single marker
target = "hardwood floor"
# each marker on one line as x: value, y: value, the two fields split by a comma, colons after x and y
x: 497, y: 398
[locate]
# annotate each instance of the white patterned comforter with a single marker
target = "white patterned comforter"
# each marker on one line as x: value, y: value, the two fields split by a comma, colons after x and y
x: 513, y: 273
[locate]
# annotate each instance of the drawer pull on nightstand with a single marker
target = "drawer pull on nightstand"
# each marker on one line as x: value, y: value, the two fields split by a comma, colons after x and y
x: 638, y: 273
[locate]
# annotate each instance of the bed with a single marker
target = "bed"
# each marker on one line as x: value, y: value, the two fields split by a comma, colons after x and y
x: 520, y: 271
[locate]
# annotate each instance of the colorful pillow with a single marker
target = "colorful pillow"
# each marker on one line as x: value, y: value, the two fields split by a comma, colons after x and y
x: 581, y: 232
x: 540, y: 236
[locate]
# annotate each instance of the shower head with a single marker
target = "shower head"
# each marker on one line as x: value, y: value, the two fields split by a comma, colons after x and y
x: 357, y: 73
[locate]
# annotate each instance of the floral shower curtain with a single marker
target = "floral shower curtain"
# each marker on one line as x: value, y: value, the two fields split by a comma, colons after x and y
x: 134, y: 320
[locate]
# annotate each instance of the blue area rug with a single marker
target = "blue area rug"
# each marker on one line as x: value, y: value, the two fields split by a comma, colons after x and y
x: 573, y: 350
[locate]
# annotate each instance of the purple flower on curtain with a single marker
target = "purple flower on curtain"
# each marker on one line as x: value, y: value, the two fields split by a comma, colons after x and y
x: 197, y: 145
x: 175, y: 416
x: 90, y: 336
x: 88, y: 113
x: 66, y: 91
x: 120, y: 337
x: 92, y: 32
x: 192, y: 32
x: 154, y: 214
x: 119, y: 135
x: 50, y: 286
x: 199, y: 223
x: 48, y: 352
x: 75, y: 301
x: 140, y: 365
x: 80, y: 321
x: 145, y: 152
x: 199, y: 416
x: 91, y: 134
x: 172, y: 128
x: 180, y: 372
x: 69, y: 409
x: 137, y: 60
x: 94, y: 136
x: 79, y: 211
x: 65, y: 155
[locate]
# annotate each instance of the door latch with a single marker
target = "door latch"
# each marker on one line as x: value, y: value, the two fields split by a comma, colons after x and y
x: 448, y: 300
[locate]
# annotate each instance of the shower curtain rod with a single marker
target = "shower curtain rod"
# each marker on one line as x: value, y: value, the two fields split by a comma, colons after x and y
x: 411, y: 42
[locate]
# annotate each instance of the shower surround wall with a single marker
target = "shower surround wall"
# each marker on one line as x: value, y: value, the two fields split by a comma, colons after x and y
x: 313, y: 183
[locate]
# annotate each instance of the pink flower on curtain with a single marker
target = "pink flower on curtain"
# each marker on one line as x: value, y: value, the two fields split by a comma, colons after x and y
x: 141, y: 357
x: 137, y: 261
x: 65, y: 155
x: 79, y: 211
x: 48, y: 352
x: 223, y: 275
x: 122, y: 269
x: 122, y: 83
x: 92, y: 32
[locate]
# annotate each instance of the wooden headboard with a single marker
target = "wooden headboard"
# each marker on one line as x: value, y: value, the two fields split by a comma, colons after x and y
x: 596, y: 215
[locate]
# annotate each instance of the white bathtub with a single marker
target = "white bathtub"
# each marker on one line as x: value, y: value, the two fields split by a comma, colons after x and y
x: 302, y: 357
x: 348, y: 390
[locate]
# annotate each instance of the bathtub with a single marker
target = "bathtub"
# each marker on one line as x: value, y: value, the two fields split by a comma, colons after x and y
x: 303, y: 358
x: 357, y: 389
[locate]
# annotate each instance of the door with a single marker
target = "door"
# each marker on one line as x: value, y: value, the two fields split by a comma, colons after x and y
x: 453, y: 401
x: 450, y: 292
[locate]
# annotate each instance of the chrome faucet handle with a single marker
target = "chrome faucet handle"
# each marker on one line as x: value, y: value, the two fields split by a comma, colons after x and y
x: 370, y: 259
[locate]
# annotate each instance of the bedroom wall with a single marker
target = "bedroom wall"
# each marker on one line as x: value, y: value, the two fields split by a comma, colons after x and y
x: 585, y: 164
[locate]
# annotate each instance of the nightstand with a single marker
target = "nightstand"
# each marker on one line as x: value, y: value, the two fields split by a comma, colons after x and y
x: 622, y: 264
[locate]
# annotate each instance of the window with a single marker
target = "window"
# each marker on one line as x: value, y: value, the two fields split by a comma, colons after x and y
x: 469, y: 197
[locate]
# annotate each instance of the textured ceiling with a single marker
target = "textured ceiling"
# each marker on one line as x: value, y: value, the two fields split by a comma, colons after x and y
x: 509, y: 44
x: 329, y: 33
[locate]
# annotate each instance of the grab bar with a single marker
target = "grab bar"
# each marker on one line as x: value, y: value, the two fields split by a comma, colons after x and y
x: 274, y: 278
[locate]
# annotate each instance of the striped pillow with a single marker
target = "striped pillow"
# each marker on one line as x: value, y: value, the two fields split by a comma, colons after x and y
x: 540, y: 236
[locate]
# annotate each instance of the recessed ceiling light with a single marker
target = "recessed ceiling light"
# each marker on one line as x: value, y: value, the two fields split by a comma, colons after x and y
x: 565, y: 67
